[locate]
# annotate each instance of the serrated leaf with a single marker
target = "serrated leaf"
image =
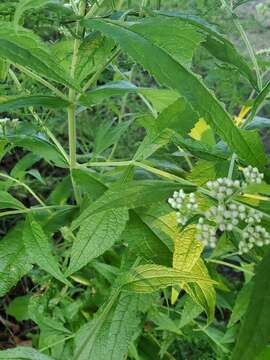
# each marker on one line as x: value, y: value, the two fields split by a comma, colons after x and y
x: 255, y: 330
x: 23, y: 352
x: 8, y: 103
x: 112, y: 339
x: 21, y: 46
x: 130, y: 195
x: 97, y: 234
x: 172, y: 74
x: 150, y: 278
x: 7, y: 201
x: 201, y: 292
x: 39, y: 250
x: 14, y: 263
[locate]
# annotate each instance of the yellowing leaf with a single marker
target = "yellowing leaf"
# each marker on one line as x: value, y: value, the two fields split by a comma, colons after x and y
x: 203, y: 132
x: 187, y: 251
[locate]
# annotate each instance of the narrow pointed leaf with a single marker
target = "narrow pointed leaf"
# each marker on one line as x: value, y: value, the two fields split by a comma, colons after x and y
x: 172, y: 74
x: 8, y: 103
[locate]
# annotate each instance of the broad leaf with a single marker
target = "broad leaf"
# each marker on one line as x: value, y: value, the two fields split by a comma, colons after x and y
x: 39, y: 250
x: 172, y: 74
x: 14, y: 263
x: 255, y: 330
x: 97, y: 234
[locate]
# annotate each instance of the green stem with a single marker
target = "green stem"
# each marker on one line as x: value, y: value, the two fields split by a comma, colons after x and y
x: 239, y: 268
x: 72, y: 109
x: 5, y: 176
x: 41, y: 80
x: 34, y: 209
x: 37, y: 118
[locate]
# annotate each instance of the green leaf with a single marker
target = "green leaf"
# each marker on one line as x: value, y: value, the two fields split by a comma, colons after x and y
x: 217, y: 44
x: 39, y: 250
x: 18, y: 308
x: 150, y: 278
x: 14, y: 263
x: 38, y: 146
x: 172, y: 74
x: 97, y: 234
x: 23, y: 352
x: 25, y: 5
x: 144, y: 243
x: 130, y: 195
x: 113, y: 338
x: 255, y: 330
x: 258, y: 103
x: 7, y: 201
x: 21, y: 46
x: 241, y: 304
x: 8, y: 103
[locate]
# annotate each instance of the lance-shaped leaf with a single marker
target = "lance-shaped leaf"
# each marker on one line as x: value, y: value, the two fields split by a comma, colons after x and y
x: 8, y: 103
x: 172, y: 74
x: 39, y: 250
x: 7, y: 201
x: 21, y: 46
x: 258, y: 102
x: 97, y: 234
x: 14, y: 263
x: 255, y: 330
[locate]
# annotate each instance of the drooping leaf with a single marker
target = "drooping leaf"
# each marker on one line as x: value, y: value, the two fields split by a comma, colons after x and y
x: 23, y: 352
x: 39, y: 250
x: 21, y: 46
x: 255, y: 330
x: 97, y: 234
x: 172, y: 74
x: 14, y: 263
x: 8, y: 103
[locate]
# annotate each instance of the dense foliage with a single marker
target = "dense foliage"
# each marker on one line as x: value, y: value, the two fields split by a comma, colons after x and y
x: 134, y: 193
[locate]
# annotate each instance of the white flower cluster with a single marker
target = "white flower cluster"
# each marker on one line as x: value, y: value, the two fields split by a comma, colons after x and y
x: 222, y: 188
x: 227, y: 215
x: 186, y: 204
x: 252, y: 175
x: 206, y: 233
x: 253, y: 236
